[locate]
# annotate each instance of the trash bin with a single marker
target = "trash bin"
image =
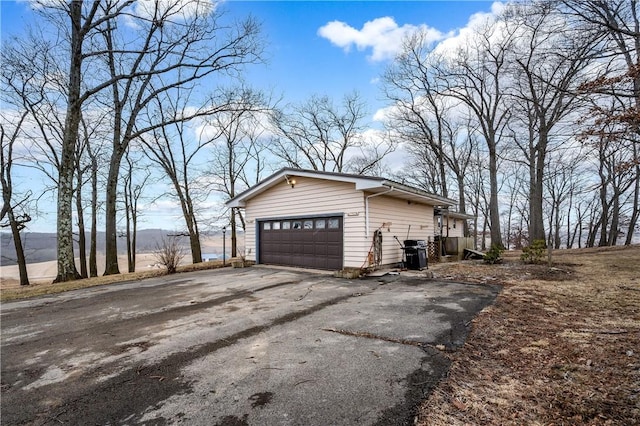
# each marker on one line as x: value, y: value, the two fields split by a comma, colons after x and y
x: 415, y: 254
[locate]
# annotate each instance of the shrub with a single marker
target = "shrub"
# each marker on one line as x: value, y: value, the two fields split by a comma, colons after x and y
x: 535, y: 252
x: 494, y: 254
x: 169, y: 253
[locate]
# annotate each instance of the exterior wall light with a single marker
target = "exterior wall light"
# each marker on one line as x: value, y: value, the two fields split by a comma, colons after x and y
x: 290, y: 181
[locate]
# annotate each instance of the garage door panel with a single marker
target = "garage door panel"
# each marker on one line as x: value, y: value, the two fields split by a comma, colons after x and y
x: 305, y: 242
x: 308, y: 249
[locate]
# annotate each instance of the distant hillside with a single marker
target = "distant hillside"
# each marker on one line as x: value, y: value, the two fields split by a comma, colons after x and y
x: 41, y: 247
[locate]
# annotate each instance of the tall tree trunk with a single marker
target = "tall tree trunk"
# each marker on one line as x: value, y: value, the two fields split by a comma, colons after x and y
x: 196, y: 248
x: 443, y: 173
x: 66, y: 262
x: 82, y: 240
x: 17, y: 243
x: 536, y: 219
x: 127, y: 210
x: 93, y: 261
x: 494, y: 212
x: 234, y: 237
x: 192, y: 225
x: 557, y: 225
x: 134, y: 237
x: 604, y: 220
x: 111, y: 235
x: 593, y: 232
x: 615, y: 220
x: 569, y: 208
x: 462, y: 206
x: 635, y: 213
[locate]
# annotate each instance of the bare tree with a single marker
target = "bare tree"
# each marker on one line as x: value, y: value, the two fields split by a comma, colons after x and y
x: 13, y: 210
x: 94, y: 138
x: 237, y: 150
x: 179, y: 48
x: 617, y: 22
x: 81, y: 170
x: 319, y: 135
x: 435, y: 126
x: 182, y: 43
x: 420, y: 114
x: 548, y: 65
x: 475, y: 75
x: 476, y: 179
x: 81, y: 26
x: 560, y: 184
x: 517, y: 192
x: 615, y: 181
x: 132, y: 190
x: 78, y: 24
x: 28, y: 104
x: 179, y: 153
x: 635, y: 199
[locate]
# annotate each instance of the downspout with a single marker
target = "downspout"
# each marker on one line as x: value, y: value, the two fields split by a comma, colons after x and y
x: 366, y: 209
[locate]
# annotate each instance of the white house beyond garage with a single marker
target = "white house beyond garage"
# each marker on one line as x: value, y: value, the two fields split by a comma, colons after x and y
x: 333, y: 221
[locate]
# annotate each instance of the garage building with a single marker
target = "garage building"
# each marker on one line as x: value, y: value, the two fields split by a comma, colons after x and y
x: 333, y: 221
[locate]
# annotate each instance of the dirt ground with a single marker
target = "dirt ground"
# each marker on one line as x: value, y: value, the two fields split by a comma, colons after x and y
x: 146, y: 267
x: 560, y: 346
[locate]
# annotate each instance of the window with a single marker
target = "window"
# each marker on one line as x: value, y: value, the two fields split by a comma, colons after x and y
x: 308, y: 224
x: 266, y: 226
x: 320, y: 224
x: 276, y: 225
x: 297, y: 225
x: 286, y: 225
x: 333, y: 223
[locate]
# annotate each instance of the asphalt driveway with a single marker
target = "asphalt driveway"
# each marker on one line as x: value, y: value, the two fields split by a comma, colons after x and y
x: 256, y: 346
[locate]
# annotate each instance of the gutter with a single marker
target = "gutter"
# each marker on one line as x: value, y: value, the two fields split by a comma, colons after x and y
x: 366, y: 209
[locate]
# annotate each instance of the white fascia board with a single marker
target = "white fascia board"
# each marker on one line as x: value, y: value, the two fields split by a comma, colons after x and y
x: 364, y: 184
x: 360, y: 183
x: 235, y: 203
x: 430, y: 198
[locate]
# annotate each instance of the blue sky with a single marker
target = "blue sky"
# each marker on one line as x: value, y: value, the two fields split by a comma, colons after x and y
x: 313, y: 47
x: 302, y: 62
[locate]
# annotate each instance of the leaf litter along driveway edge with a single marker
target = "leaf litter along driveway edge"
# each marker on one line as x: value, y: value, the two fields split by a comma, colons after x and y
x: 559, y: 346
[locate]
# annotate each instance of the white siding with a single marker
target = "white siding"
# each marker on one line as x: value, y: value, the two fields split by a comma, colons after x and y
x: 401, y: 217
x: 452, y: 227
x: 312, y: 197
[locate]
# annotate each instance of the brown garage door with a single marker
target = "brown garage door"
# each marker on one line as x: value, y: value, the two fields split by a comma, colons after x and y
x: 307, y: 242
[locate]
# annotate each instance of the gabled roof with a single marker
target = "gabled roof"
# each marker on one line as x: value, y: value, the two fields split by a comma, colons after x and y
x: 370, y: 184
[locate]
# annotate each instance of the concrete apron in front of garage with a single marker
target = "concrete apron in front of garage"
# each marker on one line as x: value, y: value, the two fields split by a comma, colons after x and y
x: 257, y: 346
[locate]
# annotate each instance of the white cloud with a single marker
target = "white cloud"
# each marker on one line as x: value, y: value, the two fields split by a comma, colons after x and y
x: 182, y: 9
x: 476, y: 23
x: 170, y: 10
x: 382, y: 114
x: 382, y: 35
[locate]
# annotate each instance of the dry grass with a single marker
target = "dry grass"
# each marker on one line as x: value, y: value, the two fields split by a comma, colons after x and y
x: 11, y: 289
x: 560, y: 346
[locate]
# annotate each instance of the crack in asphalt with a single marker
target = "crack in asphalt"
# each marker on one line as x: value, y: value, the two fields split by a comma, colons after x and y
x: 368, y: 335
